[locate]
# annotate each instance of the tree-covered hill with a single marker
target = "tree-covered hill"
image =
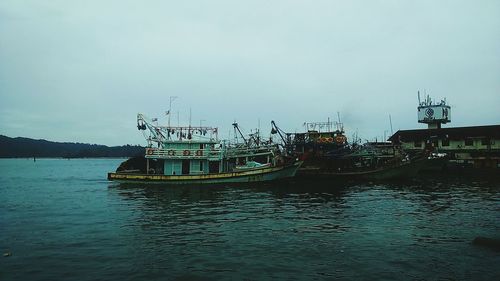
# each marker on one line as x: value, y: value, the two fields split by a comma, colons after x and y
x: 25, y: 147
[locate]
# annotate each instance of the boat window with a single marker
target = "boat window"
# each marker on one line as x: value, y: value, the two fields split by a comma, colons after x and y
x: 469, y: 142
x: 202, y: 145
x: 485, y: 141
x: 417, y: 144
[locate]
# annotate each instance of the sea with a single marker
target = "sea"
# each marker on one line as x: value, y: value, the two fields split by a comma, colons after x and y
x: 62, y: 220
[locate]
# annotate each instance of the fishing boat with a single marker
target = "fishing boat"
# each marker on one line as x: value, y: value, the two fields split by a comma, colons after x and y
x: 195, y: 155
x: 387, y: 171
x: 327, y: 153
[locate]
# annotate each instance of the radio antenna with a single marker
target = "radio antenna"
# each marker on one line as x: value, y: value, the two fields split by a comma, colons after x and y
x: 390, y: 122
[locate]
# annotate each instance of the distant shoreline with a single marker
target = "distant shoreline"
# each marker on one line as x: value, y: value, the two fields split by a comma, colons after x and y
x: 64, y: 158
x: 20, y: 147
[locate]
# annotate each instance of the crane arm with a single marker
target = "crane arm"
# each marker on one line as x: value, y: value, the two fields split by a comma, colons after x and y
x: 275, y: 129
x: 144, y: 123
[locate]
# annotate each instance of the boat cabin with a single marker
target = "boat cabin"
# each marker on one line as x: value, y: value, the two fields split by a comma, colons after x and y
x: 187, y: 157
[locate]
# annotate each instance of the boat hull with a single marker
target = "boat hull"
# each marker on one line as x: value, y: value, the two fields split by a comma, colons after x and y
x: 254, y: 175
x: 403, y: 171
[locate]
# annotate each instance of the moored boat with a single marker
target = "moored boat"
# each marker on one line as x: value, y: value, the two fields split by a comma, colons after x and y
x: 328, y: 154
x: 195, y: 155
x: 398, y: 170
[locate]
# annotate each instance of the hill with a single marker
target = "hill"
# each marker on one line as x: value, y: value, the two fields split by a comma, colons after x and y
x: 26, y: 147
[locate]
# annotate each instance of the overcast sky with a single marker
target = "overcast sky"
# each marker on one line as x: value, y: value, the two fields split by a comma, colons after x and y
x: 82, y: 70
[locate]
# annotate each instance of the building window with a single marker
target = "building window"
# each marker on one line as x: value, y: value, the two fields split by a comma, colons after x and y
x: 485, y: 142
x: 435, y: 143
x: 469, y: 142
x: 445, y: 142
x: 417, y: 144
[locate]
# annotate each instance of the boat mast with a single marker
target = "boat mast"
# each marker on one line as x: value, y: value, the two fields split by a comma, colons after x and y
x: 172, y: 98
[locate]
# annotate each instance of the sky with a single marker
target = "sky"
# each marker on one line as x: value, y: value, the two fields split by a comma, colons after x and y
x: 80, y: 71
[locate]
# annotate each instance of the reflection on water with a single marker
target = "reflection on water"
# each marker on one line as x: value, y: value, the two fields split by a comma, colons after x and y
x: 418, y: 228
x: 83, y: 227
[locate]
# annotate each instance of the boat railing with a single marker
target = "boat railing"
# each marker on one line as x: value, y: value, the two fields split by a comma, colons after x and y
x: 183, y: 153
x: 162, y: 153
x: 262, y: 149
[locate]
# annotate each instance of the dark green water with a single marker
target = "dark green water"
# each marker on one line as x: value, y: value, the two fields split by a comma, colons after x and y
x: 62, y: 220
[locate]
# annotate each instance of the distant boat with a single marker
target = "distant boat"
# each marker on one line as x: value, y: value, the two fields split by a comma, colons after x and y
x: 194, y: 155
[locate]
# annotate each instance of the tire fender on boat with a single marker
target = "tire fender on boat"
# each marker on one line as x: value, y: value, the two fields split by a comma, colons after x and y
x: 340, y: 139
x: 186, y: 153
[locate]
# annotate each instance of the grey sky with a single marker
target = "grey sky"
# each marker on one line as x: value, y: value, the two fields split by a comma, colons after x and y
x: 81, y: 70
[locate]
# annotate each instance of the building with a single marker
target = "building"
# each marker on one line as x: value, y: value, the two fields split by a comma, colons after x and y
x: 477, y: 146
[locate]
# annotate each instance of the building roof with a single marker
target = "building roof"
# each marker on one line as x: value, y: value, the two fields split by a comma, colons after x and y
x: 491, y: 131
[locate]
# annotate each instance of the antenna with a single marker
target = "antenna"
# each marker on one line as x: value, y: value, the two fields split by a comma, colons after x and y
x: 258, y: 125
x: 390, y: 122
x: 340, y: 123
x: 169, y: 112
x: 419, y: 102
x: 189, y: 130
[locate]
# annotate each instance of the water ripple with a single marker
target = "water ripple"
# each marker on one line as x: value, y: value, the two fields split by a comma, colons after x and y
x: 81, y: 227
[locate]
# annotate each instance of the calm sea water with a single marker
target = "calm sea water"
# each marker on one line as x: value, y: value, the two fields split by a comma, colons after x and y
x: 62, y: 220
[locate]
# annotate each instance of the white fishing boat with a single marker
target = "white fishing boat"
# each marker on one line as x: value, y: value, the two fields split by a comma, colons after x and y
x: 195, y: 155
